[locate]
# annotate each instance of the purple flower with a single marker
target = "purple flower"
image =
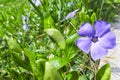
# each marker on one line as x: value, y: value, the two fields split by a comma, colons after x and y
x: 71, y: 14
x: 25, y: 27
x: 25, y: 20
x: 36, y: 2
x: 96, y: 40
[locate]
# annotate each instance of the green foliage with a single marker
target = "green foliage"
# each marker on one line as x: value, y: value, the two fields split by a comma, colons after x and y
x: 51, y: 73
x: 93, y: 18
x: 104, y: 73
x: 71, y: 39
x: 58, y: 62
x: 49, y: 23
x: 13, y: 44
x: 82, y: 78
x: 47, y: 50
x: 57, y: 36
x: 17, y: 54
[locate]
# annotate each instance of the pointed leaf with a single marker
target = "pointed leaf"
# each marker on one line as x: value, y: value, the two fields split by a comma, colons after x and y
x: 40, y: 68
x: 57, y: 36
x: 51, y: 73
x: 74, y: 75
x: 72, y: 39
x: 58, y: 62
x: 104, y: 73
x: 49, y: 22
x: 37, y: 65
x: 17, y: 55
x: 14, y: 74
x: 83, y: 77
x: 93, y: 18
x: 13, y: 44
x: 30, y: 55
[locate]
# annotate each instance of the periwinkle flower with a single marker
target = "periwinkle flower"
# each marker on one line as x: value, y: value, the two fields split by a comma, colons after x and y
x: 97, y: 40
x: 25, y: 27
x: 71, y: 14
x: 25, y: 20
x: 36, y: 2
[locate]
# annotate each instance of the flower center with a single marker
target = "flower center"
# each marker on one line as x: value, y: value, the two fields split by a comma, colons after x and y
x: 94, y: 39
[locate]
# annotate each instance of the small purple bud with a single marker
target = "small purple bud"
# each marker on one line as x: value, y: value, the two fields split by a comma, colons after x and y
x: 71, y: 14
x: 25, y: 27
x: 37, y: 2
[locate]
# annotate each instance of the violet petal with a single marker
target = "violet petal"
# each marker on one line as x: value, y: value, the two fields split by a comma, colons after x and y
x: 101, y: 27
x: 71, y: 14
x: 84, y: 44
x: 97, y: 51
x: 108, y: 41
x: 37, y: 3
x: 86, y: 30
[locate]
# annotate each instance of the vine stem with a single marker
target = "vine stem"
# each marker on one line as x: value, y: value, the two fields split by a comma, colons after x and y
x: 95, y: 66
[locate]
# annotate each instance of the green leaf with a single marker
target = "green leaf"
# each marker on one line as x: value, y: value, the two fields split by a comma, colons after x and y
x: 39, y: 68
x: 108, y: 1
x: 58, y: 62
x: 17, y: 55
x: 72, y: 51
x: 71, y: 48
x: 5, y: 1
x: 14, y: 74
x: 57, y: 36
x: 104, y: 73
x: 74, y: 75
x: 13, y: 45
x: 49, y: 22
x: 84, y: 17
x: 93, y: 18
x: 30, y: 55
x: 18, y: 59
x: 37, y: 65
x: 72, y: 39
x: 51, y: 73
x: 83, y: 77
x: 116, y: 1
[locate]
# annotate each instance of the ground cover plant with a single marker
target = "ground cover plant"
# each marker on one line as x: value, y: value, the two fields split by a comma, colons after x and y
x: 56, y: 39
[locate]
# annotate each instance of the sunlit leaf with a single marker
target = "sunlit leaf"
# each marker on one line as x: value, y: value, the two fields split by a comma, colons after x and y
x: 30, y: 55
x: 15, y: 75
x: 104, y: 73
x: 93, y: 18
x: 57, y: 36
x: 5, y: 1
x: 40, y: 68
x: 37, y: 66
x: 58, y: 62
x: 71, y: 48
x: 72, y: 38
x: 51, y: 73
x: 84, y: 17
x: 108, y: 1
x: 49, y: 22
x: 83, y: 77
x: 117, y: 1
x: 17, y: 55
x: 18, y: 59
x: 13, y: 44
